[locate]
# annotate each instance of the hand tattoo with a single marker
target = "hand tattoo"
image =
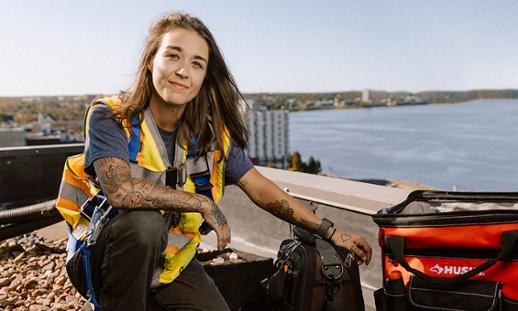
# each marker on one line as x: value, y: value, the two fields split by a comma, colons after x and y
x: 345, y: 237
x: 216, y: 216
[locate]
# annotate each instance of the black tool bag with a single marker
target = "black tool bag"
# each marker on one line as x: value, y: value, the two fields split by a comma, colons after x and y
x: 314, y: 275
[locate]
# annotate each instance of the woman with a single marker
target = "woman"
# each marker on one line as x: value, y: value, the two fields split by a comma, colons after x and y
x: 184, y: 111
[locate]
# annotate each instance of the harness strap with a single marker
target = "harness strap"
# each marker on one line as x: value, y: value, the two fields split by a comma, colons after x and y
x: 134, y: 141
x: 332, y: 269
x: 200, y: 174
x: 86, y: 257
x: 198, y: 170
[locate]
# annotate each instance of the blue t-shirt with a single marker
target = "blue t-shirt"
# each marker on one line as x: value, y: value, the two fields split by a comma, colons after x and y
x: 106, y: 138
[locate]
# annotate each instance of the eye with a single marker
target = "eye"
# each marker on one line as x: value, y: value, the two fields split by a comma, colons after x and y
x: 173, y: 56
x: 197, y: 65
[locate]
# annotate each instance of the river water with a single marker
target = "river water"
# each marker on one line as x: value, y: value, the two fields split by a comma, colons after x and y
x: 470, y: 146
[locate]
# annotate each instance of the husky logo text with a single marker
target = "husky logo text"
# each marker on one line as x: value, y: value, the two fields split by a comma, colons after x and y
x: 454, y: 270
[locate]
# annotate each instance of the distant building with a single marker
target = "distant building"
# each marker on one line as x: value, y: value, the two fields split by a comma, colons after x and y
x: 325, y: 104
x: 366, y: 96
x: 269, y: 137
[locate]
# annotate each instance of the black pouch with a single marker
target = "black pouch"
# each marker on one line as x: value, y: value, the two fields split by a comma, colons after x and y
x: 311, y: 275
x: 276, y: 285
x: 469, y: 296
x: 380, y: 300
x: 76, y: 271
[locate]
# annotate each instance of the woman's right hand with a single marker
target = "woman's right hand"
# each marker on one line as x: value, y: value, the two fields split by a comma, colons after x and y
x: 215, y: 218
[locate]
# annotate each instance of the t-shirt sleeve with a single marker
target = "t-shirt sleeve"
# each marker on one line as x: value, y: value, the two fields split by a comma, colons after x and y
x: 105, y: 138
x: 237, y: 164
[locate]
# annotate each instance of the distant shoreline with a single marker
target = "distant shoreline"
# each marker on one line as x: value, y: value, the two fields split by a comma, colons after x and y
x: 403, y: 105
x: 368, y: 99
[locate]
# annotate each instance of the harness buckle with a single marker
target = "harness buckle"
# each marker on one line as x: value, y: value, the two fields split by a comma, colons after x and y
x: 330, y: 271
x: 176, y: 176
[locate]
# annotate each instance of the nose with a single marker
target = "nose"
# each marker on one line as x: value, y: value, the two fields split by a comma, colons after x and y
x: 181, y: 72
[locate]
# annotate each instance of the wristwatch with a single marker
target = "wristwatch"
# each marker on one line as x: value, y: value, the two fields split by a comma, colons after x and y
x: 324, y: 228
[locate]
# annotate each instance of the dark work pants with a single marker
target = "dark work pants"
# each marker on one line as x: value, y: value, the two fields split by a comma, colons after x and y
x: 125, y: 257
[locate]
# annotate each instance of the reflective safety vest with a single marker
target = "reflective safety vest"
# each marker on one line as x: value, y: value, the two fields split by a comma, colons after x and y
x: 149, y: 161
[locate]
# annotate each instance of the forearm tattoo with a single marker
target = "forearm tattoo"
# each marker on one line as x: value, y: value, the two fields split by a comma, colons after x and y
x: 242, y: 182
x: 311, y: 226
x: 126, y: 192
x: 281, y: 209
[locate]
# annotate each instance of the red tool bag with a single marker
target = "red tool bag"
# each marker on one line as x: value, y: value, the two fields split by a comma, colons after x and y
x: 449, y: 251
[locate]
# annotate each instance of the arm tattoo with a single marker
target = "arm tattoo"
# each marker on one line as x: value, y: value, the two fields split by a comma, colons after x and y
x: 281, y: 209
x: 311, y: 226
x: 123, y: 191
x: 216, y: 216
x: 242, y: 182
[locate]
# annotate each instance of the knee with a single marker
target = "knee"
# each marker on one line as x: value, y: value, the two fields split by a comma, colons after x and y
x: 143, y: 229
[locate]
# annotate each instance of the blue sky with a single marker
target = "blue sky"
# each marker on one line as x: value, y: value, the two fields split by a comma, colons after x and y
x: 51, y: 47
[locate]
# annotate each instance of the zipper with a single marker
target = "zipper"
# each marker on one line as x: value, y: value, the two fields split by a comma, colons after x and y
x: 447, y: 196
x: 448, y: 219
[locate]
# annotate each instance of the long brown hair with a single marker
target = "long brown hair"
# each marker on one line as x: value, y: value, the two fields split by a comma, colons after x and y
x: 217, y: 102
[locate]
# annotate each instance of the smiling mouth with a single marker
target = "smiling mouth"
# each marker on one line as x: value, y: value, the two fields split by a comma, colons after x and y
x: 178, y: 85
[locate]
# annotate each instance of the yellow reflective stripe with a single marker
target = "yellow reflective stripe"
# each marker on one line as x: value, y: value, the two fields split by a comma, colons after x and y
x: 149, y: 157
x: 190, y: 222
x: 217, y: 177
x: 175, y: 263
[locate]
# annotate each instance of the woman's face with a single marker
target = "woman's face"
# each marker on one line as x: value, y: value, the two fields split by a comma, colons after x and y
x: 179, y: 66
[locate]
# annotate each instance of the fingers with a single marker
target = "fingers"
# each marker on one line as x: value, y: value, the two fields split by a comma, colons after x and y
x: 223, y: 234
x: 363, y: 250
x: 360, y: 254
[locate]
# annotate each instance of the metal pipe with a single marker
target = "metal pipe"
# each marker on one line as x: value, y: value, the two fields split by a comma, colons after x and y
x: 27, y: 213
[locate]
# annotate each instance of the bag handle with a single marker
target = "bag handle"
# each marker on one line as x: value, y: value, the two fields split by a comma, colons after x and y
x: 509, y: 240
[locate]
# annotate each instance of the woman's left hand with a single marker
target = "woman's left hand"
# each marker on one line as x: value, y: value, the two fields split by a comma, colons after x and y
x: 355, y: 243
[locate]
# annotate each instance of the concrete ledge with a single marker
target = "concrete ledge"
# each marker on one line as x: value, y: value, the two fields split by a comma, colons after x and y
x: 334, y: 189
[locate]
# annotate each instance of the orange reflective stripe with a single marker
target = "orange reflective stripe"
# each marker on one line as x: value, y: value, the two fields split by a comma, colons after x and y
x: 63, y: 203
x: 178, y: 230
x: 75, y: 166
x: 175, y: 230
x: 190, y: 234
x: 69, y: 210
x: 172, y: 250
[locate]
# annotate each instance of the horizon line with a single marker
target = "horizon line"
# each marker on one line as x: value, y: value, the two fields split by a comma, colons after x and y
x: 289, y: 92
